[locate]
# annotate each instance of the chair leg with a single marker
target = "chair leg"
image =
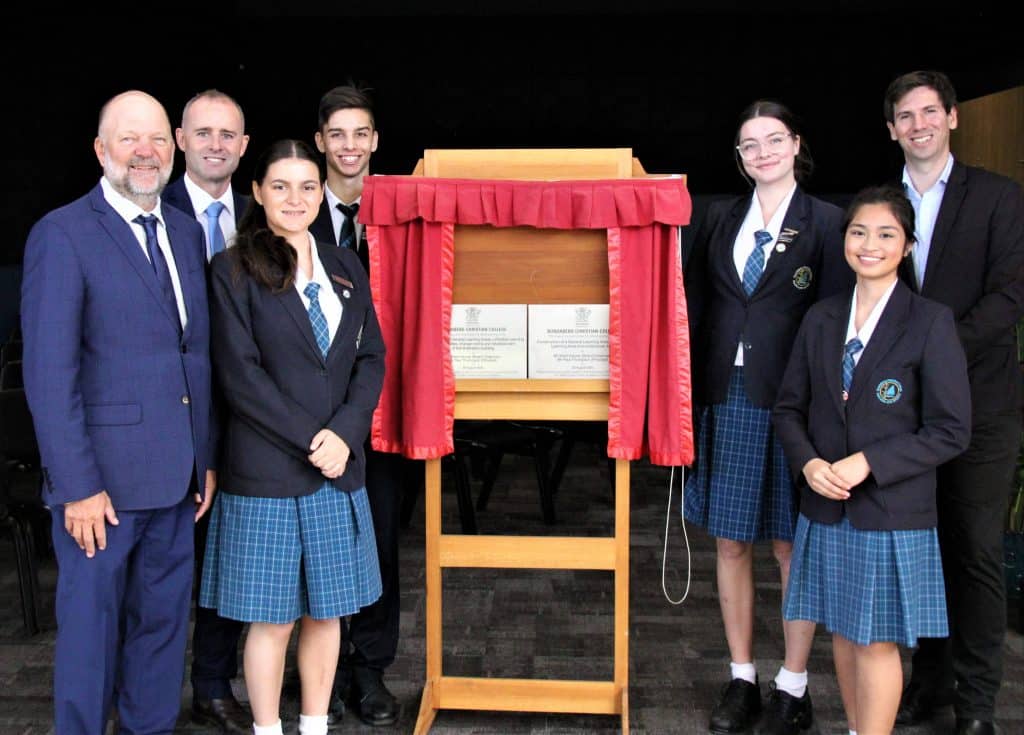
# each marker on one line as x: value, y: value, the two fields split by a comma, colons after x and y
x: 490, y: 477
x: 561, y: 462
x: 467, y: 516
x: 547, y: 499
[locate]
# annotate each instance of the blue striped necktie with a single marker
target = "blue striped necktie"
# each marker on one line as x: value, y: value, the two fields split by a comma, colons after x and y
x: 755, y: 262
x: 214, y: 235
x: 852, y: 348
x: 317, y: 318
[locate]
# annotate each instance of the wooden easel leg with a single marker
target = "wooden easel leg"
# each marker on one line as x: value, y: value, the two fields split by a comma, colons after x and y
x: 624, y: 704
x: 427, y: 710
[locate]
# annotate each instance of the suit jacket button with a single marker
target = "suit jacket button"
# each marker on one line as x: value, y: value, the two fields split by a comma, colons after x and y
x: 749, y: 346
x: 184, y: 349
x: 323, y: 373
x: 184, y: 399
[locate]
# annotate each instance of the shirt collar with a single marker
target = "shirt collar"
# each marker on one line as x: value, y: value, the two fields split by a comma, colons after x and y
x: 126, y: 208
x: 319, y: 272
x: 943, y: 179
x: 201, y: 199
x: 868, y: 328
x: 333, y: 201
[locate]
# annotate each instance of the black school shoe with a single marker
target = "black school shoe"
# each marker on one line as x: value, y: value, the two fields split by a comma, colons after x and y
x: 737, y: 708
x: 785, y: 714
x: 370, y: 700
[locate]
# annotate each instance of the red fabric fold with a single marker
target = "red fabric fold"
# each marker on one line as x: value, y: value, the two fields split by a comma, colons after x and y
x: 410, y: 229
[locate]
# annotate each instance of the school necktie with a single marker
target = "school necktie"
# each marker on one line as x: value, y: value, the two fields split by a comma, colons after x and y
x: 214, y: 235
x: 755, y: 262
x: 852, y: 348
x: 347, y: 235
x: 317, y: 318
x: 157, y: 260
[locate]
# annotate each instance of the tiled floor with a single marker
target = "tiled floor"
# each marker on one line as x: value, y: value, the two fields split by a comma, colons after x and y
x: 540, y: 624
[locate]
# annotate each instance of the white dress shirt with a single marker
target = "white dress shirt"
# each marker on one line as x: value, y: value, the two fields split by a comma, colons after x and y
x: 744, y: 243
x: 868, y: 328
x: 129, y: 210
x: 201, y: 200
x: 330, y: 304
x: 926, y: 212
x: 337, y: 218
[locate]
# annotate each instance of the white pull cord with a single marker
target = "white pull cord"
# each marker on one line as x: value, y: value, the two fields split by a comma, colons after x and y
x: 686, y: 538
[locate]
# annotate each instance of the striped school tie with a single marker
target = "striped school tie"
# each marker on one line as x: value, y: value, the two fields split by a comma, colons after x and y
x: 852, y: 348
x: 755, y: 262
x: 317, y: 318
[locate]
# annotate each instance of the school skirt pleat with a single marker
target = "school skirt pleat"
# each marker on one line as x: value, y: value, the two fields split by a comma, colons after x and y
x: 274, y: 560
x: 867, y: 586
x: 740, y: 487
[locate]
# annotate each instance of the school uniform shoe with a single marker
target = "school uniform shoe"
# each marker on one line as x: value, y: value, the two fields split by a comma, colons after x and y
x: 370, y: 699
x: 227, y: 715
x: 974, y: 727
x: 785, y: 714
x: 335, y: 714
x: 737, y: 708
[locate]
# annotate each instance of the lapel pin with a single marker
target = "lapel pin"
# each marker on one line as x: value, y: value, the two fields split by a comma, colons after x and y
x: 780, y: 248
x: 346, y: 293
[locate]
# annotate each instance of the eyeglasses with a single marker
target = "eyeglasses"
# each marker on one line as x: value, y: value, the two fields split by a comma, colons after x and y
x: 751, y: 149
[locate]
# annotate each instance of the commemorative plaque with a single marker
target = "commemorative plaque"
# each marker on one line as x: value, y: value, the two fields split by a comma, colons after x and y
x: 489, y: 340
x: 568, y: 341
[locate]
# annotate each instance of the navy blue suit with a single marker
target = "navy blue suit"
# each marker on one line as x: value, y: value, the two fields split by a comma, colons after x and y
x: 120, y: 398
x: 214, y: 639
x: 976, y: 267
x: 909, y: 409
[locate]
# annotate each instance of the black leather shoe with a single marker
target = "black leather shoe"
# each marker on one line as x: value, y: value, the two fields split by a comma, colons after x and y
x: 335, y: 714
x: 974, y: 727
x: 737, y: 708
x: 785, y: 714
x: 919, y: 702
x: 371, y: 700
x: 226, y: 714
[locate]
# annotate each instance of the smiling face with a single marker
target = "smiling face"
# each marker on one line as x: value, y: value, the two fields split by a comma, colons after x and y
x: 213, y: 140
x: 290, y: 194
x: 348, y: 140
x: 768, y: 151
x: 921, y: 125
x: 134, y: 147
x: 875, y: 243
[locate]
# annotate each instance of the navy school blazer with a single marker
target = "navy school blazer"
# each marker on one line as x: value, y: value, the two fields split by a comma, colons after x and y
x: 279, y: 389
x: 720, y: 312
x: 909, y: 409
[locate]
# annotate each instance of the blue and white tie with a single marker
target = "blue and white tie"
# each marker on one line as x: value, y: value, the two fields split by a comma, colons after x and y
x: 755, y: 262
x: 317, y: 318
x: 852, y: 348
x: 214, y: 235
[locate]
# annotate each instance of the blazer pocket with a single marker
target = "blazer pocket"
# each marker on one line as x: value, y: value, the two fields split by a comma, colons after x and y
x: 113, y: 414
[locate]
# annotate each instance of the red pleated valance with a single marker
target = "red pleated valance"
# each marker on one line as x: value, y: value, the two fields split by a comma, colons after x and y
x: 410, y: 225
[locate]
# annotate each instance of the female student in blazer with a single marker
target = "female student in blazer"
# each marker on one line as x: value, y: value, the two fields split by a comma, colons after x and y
x: 874, y: 397
x: 299, y: 357
x: 759, y: 261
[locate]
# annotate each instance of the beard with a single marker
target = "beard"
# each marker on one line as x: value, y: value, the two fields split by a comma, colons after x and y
x: 120, y: 177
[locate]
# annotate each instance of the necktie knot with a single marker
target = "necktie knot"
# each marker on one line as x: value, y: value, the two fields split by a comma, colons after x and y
x: 214, y: 210
x: 762, y: 238
x: 148, y: 222
x: 349, y: 210
x: 853, y: 347
x: 311, y: 290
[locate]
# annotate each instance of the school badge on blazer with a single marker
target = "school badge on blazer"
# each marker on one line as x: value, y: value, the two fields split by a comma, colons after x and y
x: 889, y: 390
x: 802, y: 277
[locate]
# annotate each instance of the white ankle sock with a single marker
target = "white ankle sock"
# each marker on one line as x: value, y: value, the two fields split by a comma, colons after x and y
x: 312, y: 724
x: 791, y: 683
x: 747, y: 672
x: 853, y: 732
x: 274, y: 729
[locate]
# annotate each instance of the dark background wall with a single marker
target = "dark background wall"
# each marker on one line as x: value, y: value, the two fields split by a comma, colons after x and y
x: 644, y: 74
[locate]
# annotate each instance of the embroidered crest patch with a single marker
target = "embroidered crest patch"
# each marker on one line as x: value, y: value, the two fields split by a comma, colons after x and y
x: 889, y: 390
x: 802, y: 277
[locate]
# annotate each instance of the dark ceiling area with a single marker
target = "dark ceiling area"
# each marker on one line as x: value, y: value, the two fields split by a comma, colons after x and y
x: 666, y: 83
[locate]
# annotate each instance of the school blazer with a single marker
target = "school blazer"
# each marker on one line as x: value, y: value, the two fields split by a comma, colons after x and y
x: 722, y: 315
x: 976, y: 268
x: 279, y: 389
x: 909, y: 409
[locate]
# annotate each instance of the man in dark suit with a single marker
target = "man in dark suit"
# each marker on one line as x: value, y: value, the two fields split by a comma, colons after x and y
x: 969, y: 256
x: 212, y: 138
x: 117, y: 374
x: 347, y: 136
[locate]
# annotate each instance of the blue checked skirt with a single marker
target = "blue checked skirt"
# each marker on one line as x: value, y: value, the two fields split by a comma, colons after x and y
x: 867, y: 586
x: 274, y: 560
x: 740, y: 487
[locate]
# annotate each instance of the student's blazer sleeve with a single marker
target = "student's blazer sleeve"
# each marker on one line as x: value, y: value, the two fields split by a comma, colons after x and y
x: 945, y: 429
x: 792, y: 406
x: 251, y: 394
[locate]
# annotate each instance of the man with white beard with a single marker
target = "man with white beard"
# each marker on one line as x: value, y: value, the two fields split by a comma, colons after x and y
x: 117, y: 375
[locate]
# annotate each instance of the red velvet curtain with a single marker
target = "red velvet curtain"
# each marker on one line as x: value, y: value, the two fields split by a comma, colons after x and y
x: 410, y: 229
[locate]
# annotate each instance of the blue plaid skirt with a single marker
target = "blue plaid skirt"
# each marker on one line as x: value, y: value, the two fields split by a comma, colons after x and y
x: 273, y: 560
x: 867, y: 586
x: 740, y: 487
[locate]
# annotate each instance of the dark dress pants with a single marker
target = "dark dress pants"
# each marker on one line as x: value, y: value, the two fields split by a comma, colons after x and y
x: 214, y: 639
x: 972, y: 500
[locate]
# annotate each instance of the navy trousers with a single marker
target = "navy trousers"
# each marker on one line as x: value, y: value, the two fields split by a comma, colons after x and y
x: 122, y: 623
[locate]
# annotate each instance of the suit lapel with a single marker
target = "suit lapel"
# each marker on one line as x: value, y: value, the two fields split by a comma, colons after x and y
x: 793, y: 224
x: 121, y: 233
x: 833, y: 337
x: 344, y: 287
x: 181, y: 265
x: 322, y: 227
x: 891, y: 326
x: 952, y: 198
x: 292, y: 303
x: 723, y: 260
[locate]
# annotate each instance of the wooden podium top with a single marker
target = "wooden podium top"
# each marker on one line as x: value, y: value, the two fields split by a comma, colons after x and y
x: 536, y: 164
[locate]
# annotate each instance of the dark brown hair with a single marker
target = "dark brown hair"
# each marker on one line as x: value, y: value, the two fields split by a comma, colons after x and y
x: 903, y: 85
x: 892, y: 197
x: 346, y: 97
x: 803, y: 166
